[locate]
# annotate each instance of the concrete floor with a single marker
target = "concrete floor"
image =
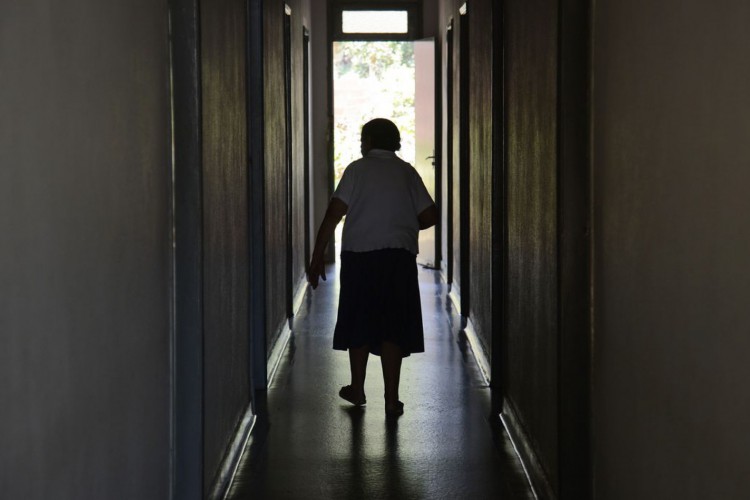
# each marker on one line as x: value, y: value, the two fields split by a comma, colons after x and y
x: 310, y: 444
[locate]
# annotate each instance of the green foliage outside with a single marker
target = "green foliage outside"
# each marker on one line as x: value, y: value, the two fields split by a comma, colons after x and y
x: 371, y: 80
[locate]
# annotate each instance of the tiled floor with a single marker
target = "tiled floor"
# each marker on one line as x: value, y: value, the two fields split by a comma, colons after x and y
x: 309, y: 444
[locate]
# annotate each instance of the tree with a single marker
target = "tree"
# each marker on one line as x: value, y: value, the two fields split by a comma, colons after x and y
x: 372, y: 79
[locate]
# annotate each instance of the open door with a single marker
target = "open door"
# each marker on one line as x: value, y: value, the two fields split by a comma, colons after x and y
x: 424, y: 109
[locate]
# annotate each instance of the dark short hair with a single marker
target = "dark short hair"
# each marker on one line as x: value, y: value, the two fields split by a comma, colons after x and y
x: 383, y: 134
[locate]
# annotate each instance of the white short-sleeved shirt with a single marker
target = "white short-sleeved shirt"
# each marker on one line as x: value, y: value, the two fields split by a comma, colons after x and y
x: 385, y: 195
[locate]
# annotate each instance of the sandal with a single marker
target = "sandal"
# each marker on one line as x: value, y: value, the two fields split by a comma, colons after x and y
x: 347, y: 393
x: 395, y: 412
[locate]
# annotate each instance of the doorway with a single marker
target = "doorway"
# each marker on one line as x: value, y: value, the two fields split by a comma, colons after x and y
x: 379, y: 69
x: 387, y: 79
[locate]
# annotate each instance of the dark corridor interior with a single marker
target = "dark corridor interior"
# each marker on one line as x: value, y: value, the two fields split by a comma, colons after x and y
x: 165, y: 163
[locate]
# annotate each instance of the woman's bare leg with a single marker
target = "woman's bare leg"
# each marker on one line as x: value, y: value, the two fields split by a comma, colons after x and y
x: 391, y: 360
x: 358, y: 364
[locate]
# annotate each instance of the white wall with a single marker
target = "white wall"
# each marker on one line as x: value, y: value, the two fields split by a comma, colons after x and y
x: 672, y: 248
x: 84, y: 253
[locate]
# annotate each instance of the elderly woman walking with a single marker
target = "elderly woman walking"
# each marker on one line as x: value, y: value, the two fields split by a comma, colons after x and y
x: 386, y: 204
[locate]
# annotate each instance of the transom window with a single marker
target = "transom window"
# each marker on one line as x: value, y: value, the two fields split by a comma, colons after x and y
x: 374, y: 21
x: 366, y: 21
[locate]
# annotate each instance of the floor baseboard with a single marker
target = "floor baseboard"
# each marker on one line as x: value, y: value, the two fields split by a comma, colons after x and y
x: 234, y: 453
x: 277, y: 352
x: 483, y: 361
x: 481, y: 357
x: 454, y: 295
x: 285, y: 333
x: 299, y: 296
x: 232, y: 456
x: 532, y: 467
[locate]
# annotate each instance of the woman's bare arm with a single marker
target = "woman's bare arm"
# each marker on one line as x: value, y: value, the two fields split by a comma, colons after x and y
x: 336, y: 210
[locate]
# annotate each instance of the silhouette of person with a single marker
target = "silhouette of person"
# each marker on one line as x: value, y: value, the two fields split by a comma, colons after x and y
x: 386, y: 204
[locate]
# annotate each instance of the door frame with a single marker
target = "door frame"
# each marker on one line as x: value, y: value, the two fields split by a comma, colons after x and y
x: 575, y: 252
x: 289, y: 153
x: 334, y: 34
x: 449, y: 82
x: 308, y: 209
x: 464, y: 157
x: 186, y: 343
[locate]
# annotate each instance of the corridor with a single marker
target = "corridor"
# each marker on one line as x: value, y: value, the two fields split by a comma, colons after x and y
x: 164, y: 168
x: 310, y: 444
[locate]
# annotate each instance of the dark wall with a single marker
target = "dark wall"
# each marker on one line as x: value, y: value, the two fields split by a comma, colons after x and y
x: 85, y: 258
x: 671, y: 242
x: 320, y: 178
x: 276, y: 178
x: 531, y: 140
x: 275, y: 168
x: 472, y: 150
x: 481, y: 102
x: 527, y: 191
x: 299, y: 211
x: 225, y: 226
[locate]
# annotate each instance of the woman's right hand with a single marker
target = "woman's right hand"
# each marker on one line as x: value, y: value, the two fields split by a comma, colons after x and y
x: 315, y: 270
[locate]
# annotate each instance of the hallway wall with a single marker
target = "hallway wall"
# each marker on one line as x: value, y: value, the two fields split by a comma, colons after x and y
x: 523, y: 178
x: 531, y: 72
x: 226, y: 331
x: 277, y: 277
x: 300, y: 18
x: 85, y: 256
x: 481, y: 124
x: 475, y: 282
x: 275, y: 168
x: 672, y: 240
x: 320, y: 179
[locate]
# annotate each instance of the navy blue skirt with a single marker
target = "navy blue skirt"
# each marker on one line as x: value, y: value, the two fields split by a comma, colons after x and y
x: 379, y: 301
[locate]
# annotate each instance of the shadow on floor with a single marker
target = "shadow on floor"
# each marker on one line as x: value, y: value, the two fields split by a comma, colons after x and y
x: 309, y: 444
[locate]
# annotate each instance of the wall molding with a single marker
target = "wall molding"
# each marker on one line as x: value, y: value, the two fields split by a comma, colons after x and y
x: 480, y: 355
x: 277, y: 351
x: 233, y: 455
x: 299, y: 296
x: 538, y: 482
x: 467, y: 326
x: 454, y: 295
x: 285, y: 333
